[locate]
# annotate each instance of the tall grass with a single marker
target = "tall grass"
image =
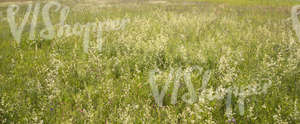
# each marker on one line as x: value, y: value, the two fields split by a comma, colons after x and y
x: 54, y: 81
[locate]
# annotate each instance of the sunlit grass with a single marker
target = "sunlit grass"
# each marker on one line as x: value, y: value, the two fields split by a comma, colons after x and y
x: 54, y: 81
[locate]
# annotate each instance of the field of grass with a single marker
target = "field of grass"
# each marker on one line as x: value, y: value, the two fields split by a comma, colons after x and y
x: 244, y: 44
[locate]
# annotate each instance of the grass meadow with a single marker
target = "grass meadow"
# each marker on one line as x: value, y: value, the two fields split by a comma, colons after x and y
x: 246, y: 44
